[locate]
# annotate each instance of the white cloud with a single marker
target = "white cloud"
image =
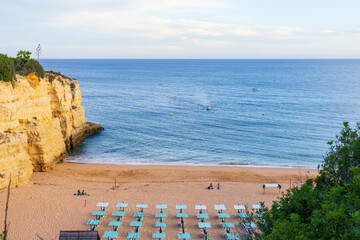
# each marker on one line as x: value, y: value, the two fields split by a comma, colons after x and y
x: 155, y: 28
x: 172, y: 28
x: 135, y: 5
x: 160, y: 5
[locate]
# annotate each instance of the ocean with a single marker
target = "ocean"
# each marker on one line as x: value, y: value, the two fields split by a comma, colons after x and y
x: 155, y: 111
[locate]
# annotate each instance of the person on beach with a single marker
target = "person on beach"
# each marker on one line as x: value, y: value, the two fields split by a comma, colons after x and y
x: 83, y: 193
x: 211, y: 186
x: 318, y: 167
x: 78, y: 192
x: 218, y: 186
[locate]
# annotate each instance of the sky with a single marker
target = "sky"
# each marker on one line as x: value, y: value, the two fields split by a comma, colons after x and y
x: 229, y: 29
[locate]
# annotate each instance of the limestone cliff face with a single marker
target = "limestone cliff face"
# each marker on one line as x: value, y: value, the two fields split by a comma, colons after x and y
x: 40, y: 121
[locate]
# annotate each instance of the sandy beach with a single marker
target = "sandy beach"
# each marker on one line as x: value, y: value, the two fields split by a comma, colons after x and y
x: 40, y: 209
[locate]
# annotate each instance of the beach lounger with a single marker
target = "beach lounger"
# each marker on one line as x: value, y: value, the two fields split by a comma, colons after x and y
x: 141, y: 206
x: 136, y: 224
x: 204, y: 225
x: 220, y: 207
x: 200, y: 208
x: 231, y: 236
x: 240, y: 208
x: 138, y: 214
x: 133, y: 235
x: 184, y: 236
x: 98, y: 214
x: 102, y: 205
x: 202, y: 216
x: 160, y: 215
x: 118, y: 214
x: 110, y: 235
x: 243, y: 215
x: 227, y: 226
x: 181, y: 215
x: 222, y: 215
x: 159, y: 236
x: 161, y: 207
x: 93, y: 224
x: 257, y: 206
x: 249, y: 225
x: 122, y: 206
x: 115, y: 224
x: 181, y: 207
x: 271, y: 185
x: 160, y: 224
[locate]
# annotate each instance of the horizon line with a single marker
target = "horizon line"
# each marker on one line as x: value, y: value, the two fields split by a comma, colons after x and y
x: 199, y: 59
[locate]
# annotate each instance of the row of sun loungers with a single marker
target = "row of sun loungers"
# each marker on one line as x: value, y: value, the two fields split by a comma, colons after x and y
x: 161, y: 224
x: 202, y: 216
x: 181, y: 215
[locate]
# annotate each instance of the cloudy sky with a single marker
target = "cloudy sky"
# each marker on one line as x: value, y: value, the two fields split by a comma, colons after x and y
x: 182, y: 28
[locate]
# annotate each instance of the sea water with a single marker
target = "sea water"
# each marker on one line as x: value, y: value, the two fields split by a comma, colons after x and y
x: 272, y: 113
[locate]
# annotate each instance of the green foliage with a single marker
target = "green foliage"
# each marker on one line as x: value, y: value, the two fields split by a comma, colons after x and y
x: 52, y: 74
x: 344, y: 154
x: 310, y: 213
x: 339, y: 215
x: 327, y: 208
x: 24, y: 68
x: 22, y: 65
x: 7, y: 71
x: 23, y: 56
x: 55, y: 73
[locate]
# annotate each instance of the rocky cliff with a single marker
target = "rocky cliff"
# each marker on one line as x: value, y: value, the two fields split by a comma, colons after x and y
x: 41, y: 120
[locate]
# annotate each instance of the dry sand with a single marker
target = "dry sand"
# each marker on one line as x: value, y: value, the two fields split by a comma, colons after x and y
x: 47, y: 205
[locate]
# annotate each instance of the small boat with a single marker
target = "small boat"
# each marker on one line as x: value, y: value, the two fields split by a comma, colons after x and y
x: 208, y: 107
x: 256, y: 89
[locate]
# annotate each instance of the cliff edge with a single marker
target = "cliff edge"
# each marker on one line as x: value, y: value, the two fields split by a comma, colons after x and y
x: 41, y: 120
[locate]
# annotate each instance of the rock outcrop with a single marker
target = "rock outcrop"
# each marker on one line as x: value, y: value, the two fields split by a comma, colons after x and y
x: 41, y: 120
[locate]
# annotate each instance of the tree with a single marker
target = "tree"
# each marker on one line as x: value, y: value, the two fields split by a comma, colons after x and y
x: 7, y: 70
x: 344, y: 154
x: 22, y: 65
x: 23, y: 56
x: 38, y: 51
x: 327, y: 208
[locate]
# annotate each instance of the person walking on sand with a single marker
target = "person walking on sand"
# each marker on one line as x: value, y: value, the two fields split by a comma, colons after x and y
x: 318, y: 167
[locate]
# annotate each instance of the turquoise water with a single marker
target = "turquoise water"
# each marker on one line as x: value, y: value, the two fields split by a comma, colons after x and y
x: 304, y: 104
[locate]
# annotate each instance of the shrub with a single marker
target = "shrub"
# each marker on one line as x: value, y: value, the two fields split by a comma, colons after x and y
x: 22, y: 65
x: 7, y: 72
x: 327, y: 208
x: 56, y: 74
x: 24, y: 68
x: 23, y: 56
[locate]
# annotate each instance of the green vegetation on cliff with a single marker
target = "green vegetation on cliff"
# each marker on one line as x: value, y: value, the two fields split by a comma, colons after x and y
x: 327, y: 207
x: 7, y: 69
x: 22, y: 65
